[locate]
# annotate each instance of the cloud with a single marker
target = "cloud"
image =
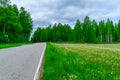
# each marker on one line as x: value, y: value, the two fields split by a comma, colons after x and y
x: 45, y: 12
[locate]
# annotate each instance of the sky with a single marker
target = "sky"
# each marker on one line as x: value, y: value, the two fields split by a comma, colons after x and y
x: 45, y: 12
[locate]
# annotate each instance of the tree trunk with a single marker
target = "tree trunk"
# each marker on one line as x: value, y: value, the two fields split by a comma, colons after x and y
x: 111, y: 38
x: 108, y: 38
x: 101, y: 38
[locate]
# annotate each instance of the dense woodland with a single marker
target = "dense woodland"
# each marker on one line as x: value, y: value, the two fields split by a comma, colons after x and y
x: 88, y: 31
x: 15, y: 25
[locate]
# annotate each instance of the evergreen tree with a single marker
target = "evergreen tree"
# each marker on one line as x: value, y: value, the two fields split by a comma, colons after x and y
x: 37, y: 35
x: 109, y: 31
x: 78, y: 32
x: 118, y: 30
x: 48, y: 33
x: 102, y: 27
x: 87, y: 32
x: 67, y: 32
x: 54, y: 32
x: 115, y: 33
x: 95, y: 35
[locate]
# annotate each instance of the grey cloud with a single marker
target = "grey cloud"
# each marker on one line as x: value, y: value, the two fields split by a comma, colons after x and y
x: 45, y: 12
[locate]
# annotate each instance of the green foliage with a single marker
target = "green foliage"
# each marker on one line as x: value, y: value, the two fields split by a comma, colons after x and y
x: 26, y: 23
x: 57, y: 33
x: 78, y: 32
x: 15, y: 25
x: 87, y: 31
x: 118, y: 30
x: 4, y: 3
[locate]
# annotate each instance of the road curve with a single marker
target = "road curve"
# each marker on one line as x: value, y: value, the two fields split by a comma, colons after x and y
x: 20, y: 63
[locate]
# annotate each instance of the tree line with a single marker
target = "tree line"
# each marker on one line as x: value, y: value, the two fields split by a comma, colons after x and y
x: 15, y: 25
x: 88, y: 31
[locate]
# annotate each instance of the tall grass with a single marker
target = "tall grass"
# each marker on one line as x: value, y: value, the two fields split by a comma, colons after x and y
x: 82, y: 62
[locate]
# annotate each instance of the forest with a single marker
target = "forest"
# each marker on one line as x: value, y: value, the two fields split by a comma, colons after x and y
x: 88, y: 31
x: 15, y: 25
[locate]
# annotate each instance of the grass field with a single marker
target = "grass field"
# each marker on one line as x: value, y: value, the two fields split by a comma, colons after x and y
x: 82, y: 62
x: 12, y: 45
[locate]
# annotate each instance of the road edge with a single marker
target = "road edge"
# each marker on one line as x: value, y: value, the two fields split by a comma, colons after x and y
x: 37, y: 73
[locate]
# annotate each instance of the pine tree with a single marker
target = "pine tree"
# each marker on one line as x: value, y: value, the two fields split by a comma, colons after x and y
x: 95, y: 32
x: 118, y: 30
x: 78, y: 31
x: 109, y: 31
x: 86, y: 29
x: 101, y: 27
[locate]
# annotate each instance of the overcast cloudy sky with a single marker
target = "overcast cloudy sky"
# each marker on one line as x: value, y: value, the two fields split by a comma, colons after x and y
x: 45, y: 12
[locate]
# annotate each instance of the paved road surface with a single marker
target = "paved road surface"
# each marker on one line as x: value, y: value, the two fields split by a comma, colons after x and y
x: 20, y: 63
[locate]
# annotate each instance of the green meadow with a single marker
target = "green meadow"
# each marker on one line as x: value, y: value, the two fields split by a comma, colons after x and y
x: 82, y: 62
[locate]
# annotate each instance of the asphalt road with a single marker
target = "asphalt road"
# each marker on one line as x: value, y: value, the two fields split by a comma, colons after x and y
x: 20, y: 63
